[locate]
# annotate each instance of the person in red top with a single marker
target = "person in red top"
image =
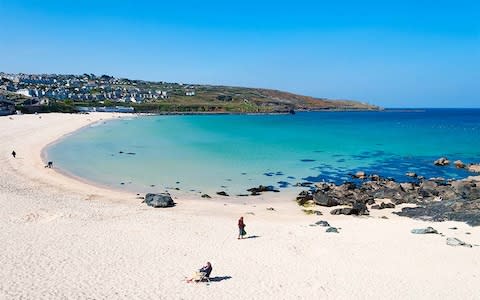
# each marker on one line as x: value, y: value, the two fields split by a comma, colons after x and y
x: 241, y: 228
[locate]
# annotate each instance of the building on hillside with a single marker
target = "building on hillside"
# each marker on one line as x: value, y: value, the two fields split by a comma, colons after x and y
x: 24, y: 92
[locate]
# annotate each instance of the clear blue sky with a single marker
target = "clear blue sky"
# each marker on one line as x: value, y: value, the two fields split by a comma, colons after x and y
x: 403, y: 54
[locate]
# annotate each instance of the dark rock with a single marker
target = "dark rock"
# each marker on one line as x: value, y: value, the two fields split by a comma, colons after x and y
x: 222, y: 193
x: 332, y: 229
x: 383, y: 206
x: 428, y: 230
x: 324, y: 199
x: 206, y: 196
x: 303, y: 197
x: 357, y: 209
x: 262, y: 188
x: 159, y: 200
x: 322, y: 223
x: 459, y: 164
x: 360, y: 208
x: 270, y: 208
x: 304, y: 184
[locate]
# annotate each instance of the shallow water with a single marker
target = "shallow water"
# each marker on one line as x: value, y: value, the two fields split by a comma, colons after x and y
x: 235, y: 152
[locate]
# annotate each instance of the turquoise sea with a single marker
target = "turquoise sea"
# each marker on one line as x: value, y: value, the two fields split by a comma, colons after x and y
x: 210, y: 153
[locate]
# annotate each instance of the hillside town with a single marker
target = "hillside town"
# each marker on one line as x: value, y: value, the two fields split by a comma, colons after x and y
x: 87, y: 87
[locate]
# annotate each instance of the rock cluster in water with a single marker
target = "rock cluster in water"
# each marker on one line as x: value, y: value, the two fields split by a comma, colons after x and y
x: 436, y: 199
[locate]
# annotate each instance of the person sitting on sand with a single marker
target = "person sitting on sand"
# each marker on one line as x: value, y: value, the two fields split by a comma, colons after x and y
x: 14, y: 153
x: 241, y: 228
x: 202, y: 273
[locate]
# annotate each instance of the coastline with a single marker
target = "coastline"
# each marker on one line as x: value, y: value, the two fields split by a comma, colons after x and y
x: 63, y: 235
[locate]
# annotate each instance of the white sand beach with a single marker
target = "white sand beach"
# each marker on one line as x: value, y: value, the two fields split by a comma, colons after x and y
x: 62, y: 238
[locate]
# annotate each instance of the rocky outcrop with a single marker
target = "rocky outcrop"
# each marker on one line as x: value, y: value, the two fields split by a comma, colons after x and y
x: 159, y: 200
x: 437, y: 199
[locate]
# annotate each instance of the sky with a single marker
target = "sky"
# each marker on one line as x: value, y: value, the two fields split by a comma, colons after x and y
x: 389, y: 53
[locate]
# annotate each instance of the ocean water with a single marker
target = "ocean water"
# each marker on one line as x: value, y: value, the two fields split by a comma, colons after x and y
x: 210, y: 153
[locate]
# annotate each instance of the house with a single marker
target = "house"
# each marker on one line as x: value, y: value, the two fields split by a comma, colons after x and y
x: 24, y: 92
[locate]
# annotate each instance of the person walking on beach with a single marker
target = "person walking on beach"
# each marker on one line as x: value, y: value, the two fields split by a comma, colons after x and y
x: 241, y: 228
x: 14, y: 153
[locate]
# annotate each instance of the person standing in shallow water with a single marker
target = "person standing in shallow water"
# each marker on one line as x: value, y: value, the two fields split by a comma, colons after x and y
x: 14, y: 153
x: 241, y: 228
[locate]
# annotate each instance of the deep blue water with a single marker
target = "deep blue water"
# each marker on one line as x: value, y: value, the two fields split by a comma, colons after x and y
x: 235, y: 152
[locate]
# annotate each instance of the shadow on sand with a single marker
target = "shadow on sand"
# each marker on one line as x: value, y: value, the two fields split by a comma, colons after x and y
x: 219, y: 278
x: 252, y: 237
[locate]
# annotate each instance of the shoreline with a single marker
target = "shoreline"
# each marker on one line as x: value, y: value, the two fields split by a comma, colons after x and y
x: 61, y: 236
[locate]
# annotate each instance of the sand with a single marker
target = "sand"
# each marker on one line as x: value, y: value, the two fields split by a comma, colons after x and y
x: 66, y: 239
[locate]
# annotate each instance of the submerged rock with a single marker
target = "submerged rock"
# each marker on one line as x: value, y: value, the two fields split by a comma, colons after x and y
x: 159, y: 200
x: 222, y: 193
x: 261, y: 188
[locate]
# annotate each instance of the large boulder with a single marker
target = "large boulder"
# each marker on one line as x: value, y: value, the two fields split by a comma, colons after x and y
x: 459, y: 164
x: 323, y: 199
x: 159, y: 200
